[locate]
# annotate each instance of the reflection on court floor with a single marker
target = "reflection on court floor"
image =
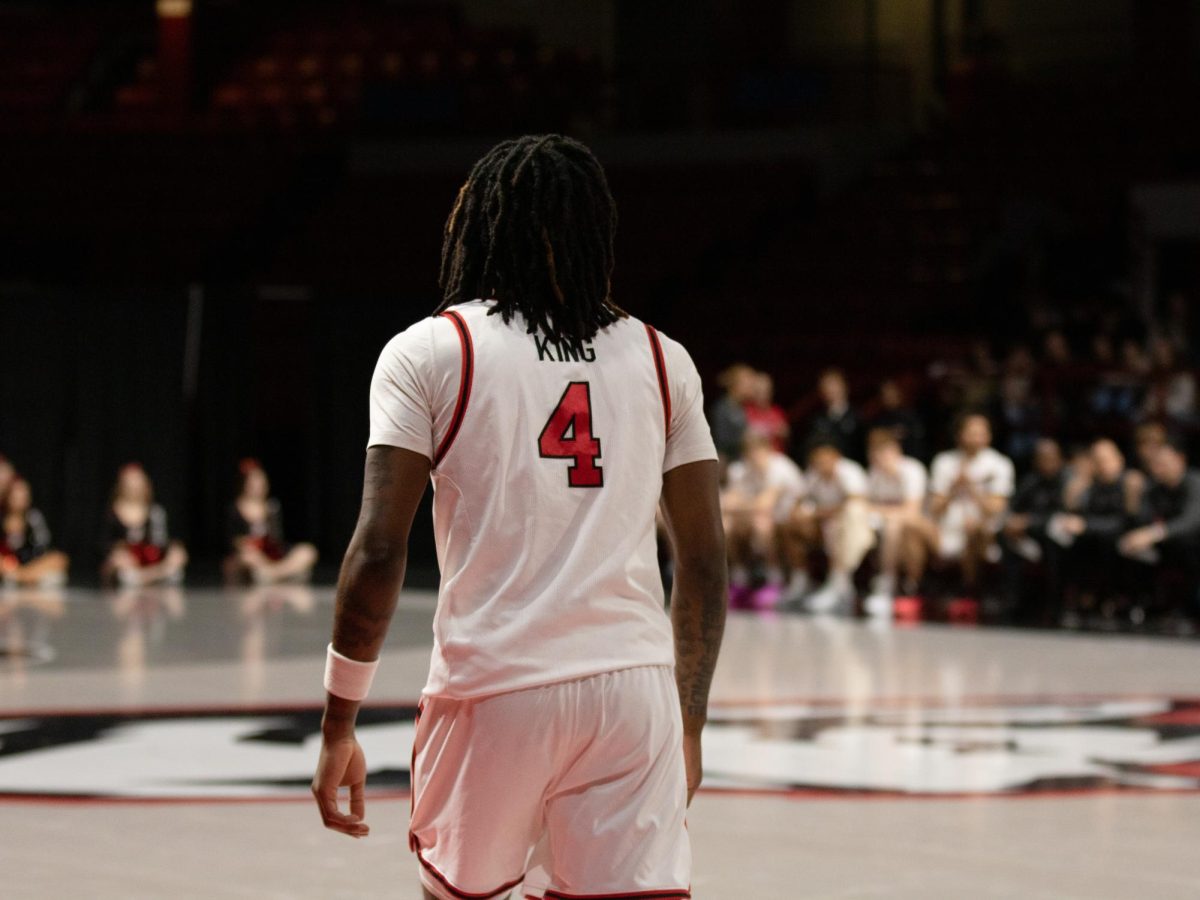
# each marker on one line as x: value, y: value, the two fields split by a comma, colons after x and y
x: 988, y: 755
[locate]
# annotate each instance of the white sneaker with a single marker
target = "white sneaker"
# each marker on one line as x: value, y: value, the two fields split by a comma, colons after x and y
x: 795, y: 592
x: 878, y: 605
x: 830, y: 598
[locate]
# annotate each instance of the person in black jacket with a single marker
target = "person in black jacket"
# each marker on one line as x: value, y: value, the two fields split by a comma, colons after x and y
x: 1102, y: 503
x: 836, y: 424
x: 1038, y: 497
x: 1170, y: 521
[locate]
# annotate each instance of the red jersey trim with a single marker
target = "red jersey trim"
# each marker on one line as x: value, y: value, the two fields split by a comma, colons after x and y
x: 445, y: 882
x: 466, y: 376
x: 664, y: 387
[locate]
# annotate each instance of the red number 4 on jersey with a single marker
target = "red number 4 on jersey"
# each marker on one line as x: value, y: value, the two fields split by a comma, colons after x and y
x: 568, y: 435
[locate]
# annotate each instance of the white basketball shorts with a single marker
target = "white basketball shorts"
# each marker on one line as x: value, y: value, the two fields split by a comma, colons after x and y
x: 590, y: 771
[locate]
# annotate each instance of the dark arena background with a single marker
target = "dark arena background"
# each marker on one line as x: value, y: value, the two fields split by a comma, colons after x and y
x: 883, y: 229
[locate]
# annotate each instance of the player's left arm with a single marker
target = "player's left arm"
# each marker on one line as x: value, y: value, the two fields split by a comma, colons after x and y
x: 368, y: 586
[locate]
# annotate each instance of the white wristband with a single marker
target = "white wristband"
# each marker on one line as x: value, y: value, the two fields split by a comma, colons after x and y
x: 348, y: 678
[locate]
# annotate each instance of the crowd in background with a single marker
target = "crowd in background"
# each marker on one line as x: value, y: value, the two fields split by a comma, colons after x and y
x: 1048, y: 484
x: 138, y: 547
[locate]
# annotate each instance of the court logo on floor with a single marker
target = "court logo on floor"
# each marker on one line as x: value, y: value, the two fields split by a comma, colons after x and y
x: 885, y: 749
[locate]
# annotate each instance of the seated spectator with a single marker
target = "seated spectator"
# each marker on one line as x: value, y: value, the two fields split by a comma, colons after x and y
x: 895, y: 494
x: 1101, y: 502
x: 836, y: 423
x: 7, y: 474
x: 728, y: 414
x: 26, y: 556
x: 256, y: 535
x: 1171, y: 520
x: 901, y: 419
x: 969, y: 491
x: 1038, y: 498
x: 763, y: 415
x: 140, y: 549
x: 1171, y: 394
x: 1020, y: 418
x: 833, y: 518
x: 1148, y: 437
x: 761, y: 490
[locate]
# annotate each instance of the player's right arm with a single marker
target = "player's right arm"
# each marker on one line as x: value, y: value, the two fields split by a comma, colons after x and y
x: 368, y: 586
x: 693, y: 515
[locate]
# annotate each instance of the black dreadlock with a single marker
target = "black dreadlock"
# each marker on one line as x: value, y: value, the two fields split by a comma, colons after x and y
x: 533, y: 228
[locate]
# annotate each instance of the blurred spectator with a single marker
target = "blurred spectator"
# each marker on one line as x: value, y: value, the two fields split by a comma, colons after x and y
x: 761, y: 489
x: 256, y: 534
x: 1148, y: 437
x: 978, y: 381
x: 1171, y: 517
x: 728, y: 414
x: 763, y: 416
x: 1056, y: 350
x: 1179, y: 326
x: 969, y: 491
x: 836, y: 423
x: 26, y: 556
x: 833, y: 518
x: 1101, y: 500
x: 1171, y: 393
x: 1020, y: 417
x: 1117, y: 397
x: 1038, y: 497
x: 901, y: 419
x: 139, y: 547
x: 7, y: 474
x: 895, y: 493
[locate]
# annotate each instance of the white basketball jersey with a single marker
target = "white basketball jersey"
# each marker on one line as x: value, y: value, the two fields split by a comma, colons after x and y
x: 547, y: 471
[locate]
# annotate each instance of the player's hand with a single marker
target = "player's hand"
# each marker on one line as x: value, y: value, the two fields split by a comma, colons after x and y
x: 342, y: 764
x: 692, y: 763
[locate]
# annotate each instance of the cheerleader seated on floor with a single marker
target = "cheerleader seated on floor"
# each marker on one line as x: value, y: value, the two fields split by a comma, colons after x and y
x: 27, y: 558
x: 259, y: 552
x: 139, y: 546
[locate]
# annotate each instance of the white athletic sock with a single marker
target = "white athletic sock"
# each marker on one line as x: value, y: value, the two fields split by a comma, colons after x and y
x: 885, y: 583
x: 840, y: 581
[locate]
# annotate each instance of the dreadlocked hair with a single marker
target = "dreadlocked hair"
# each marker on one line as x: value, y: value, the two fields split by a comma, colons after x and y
x: 532, y: 228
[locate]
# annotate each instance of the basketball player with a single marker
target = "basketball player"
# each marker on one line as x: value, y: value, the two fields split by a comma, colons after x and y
x: 563, y: 708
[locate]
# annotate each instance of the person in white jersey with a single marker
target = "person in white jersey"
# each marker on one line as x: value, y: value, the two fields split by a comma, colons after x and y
x: 761, y: 489
x: 831, y: 517
x: 563, y: 707
x: 969, y: 489
x: 895, y: 495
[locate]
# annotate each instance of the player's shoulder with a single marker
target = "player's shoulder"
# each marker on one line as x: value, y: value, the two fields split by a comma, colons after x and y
x: 422, y: 341
x: 912, y: 464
